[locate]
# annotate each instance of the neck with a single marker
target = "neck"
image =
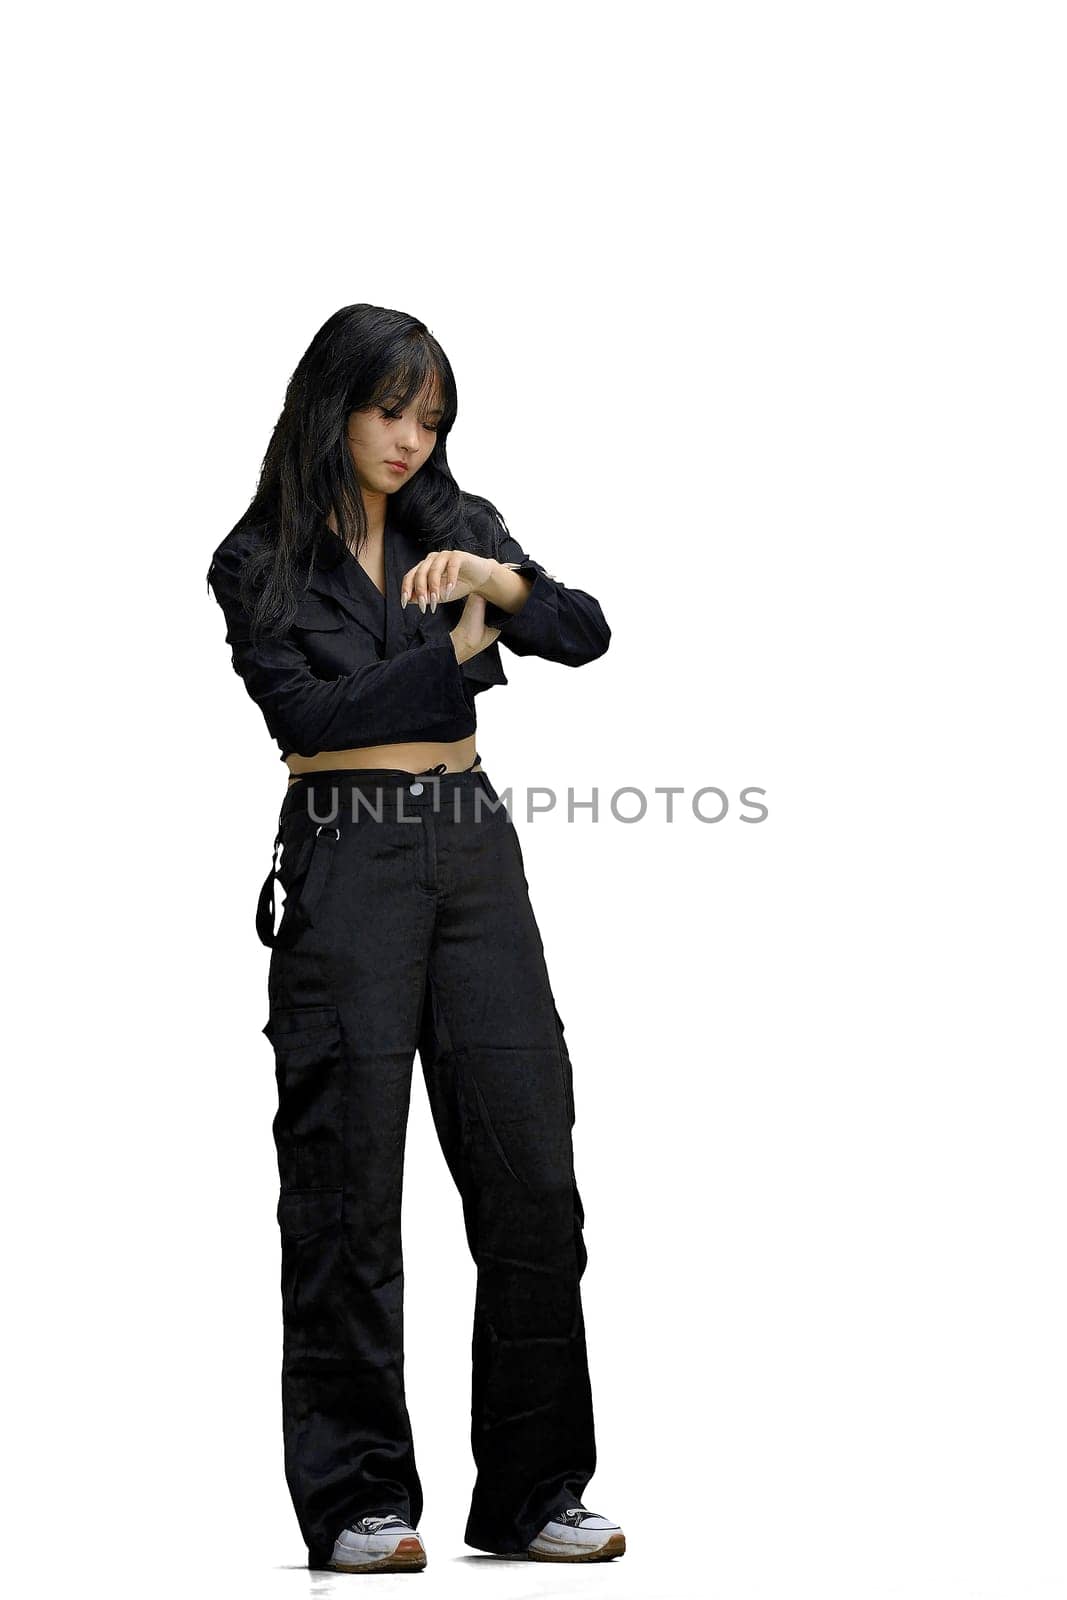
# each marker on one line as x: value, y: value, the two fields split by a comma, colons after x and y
x: 375, y: 506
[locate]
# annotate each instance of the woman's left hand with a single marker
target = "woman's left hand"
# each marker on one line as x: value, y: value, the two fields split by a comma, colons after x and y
x: 445, y: 575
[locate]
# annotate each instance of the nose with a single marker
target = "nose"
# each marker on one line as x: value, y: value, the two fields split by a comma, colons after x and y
x: 408, y: 435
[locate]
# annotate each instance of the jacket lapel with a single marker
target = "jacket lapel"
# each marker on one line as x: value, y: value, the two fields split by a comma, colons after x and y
x: 402, y: 553
x: 346, y: 583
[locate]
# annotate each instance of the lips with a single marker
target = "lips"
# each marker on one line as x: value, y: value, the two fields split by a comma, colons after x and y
x: 397, y: 466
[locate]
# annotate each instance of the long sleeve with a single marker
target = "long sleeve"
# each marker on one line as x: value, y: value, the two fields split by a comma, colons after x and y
x: 419, y: 693
x: 556, y: 623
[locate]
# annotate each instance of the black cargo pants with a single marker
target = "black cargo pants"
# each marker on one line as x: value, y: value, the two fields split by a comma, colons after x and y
x: 407, y: 925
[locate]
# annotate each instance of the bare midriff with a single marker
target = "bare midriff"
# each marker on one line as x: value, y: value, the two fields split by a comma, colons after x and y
x: 456, y: 755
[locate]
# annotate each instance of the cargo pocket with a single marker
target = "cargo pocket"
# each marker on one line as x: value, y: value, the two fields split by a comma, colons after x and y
x: 309, y: 1124
x: 312, y: 1279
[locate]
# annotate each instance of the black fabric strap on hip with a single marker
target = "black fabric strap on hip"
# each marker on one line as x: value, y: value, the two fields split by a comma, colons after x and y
x: 303, y: 895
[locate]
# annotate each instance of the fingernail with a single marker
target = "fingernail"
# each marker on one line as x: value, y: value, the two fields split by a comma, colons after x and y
x: 449, y: 587
x: 433, y: 599
x: 403, y: 597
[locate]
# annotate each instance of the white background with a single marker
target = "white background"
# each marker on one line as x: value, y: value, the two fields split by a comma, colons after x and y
x: 757, y: 316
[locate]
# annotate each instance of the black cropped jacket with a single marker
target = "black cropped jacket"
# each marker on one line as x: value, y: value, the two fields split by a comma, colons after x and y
x: 356, y: 669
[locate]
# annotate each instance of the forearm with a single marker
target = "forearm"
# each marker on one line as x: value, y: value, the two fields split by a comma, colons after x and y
x: 506, y: 588
x: 535, y: 613
x: 554, y: 622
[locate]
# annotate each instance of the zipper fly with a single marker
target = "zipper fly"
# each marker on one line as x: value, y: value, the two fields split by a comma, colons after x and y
x: 426, y: 855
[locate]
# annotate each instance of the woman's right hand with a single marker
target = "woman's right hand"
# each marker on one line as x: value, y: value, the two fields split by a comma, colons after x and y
x: 470, y: 635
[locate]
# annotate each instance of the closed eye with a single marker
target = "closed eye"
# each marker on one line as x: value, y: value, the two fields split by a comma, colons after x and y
x: 395, y: 416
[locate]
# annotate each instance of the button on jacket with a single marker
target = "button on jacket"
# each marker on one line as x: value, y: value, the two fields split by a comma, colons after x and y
x: 355, y: 668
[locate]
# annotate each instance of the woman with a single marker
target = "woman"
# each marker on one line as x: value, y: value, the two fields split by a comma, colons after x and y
x: 364, y: 595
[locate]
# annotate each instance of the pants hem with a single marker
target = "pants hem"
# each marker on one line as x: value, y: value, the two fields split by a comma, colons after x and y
x: 516, y: 1543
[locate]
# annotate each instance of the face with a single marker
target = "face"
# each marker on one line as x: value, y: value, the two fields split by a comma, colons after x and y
x: 383, y: 434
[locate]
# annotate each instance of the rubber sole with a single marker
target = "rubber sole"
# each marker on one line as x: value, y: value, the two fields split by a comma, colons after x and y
x: 409, y: 1556
x: 615, y: 1546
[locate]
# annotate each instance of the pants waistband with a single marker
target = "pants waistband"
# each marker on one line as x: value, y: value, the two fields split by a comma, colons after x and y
x: 323, y: 793
x: 330, y: 799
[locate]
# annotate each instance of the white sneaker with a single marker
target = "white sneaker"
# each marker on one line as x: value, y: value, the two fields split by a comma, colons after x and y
x: 578, y: 1535
x: 378, y: 1544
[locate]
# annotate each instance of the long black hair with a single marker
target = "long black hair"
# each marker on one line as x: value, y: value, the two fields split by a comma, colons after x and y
x: 362, y: 356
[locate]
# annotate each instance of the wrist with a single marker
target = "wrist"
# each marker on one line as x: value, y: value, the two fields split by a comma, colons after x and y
x: 508, y: 589
x: 488, y: 583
